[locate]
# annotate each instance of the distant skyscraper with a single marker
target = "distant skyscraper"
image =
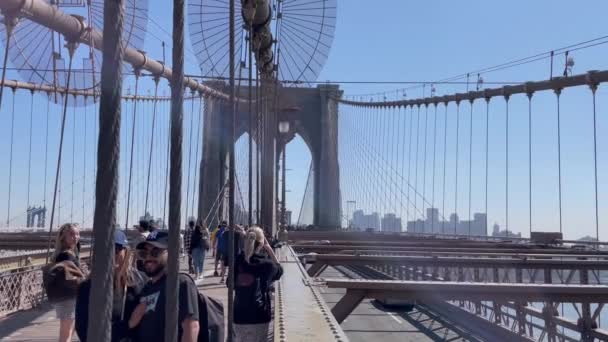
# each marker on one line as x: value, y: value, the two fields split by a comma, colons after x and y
x: 391, y: 223
x: 362, y: 221
x: 432, y: 224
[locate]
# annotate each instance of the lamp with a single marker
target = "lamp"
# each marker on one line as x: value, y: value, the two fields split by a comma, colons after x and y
x: 283, y: 127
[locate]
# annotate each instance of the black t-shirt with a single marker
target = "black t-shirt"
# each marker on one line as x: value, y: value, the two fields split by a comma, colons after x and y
x: 252, y: 304
x: 152, y: 325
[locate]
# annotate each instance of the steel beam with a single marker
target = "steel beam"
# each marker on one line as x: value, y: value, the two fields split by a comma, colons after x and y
x: 324, y: 260
x: 437, y: 290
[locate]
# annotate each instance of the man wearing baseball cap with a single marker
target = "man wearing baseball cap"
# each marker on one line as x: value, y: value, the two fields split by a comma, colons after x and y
x: 149, y: 317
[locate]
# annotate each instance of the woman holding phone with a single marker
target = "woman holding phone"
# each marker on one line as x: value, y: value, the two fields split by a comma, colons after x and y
x: 256, y: 267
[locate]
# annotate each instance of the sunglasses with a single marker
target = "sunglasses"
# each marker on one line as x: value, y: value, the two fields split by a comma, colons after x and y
x: 154, y: 252
x: 118, y: 248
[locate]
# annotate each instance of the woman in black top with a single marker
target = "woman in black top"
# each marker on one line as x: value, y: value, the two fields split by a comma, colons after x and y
x: 255, y: 269
x: 66, y: 249
x: 128, y: 283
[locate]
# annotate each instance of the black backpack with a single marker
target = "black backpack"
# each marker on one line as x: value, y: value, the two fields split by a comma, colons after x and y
x: 210, y: 318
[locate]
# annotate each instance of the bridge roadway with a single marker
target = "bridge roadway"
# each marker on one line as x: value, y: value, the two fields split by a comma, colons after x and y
x: 302, y: 311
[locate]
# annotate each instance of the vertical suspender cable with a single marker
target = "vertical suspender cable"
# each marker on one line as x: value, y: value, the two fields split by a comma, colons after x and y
x: 10, y: 160
x: 507, y: 165
x: 597, y: 222
x: 71, y: 48
x: 416, y: 170
x: 402, y: 135
x: 470, y: 163
x: 487, y: 156
x: 175, y: 189
x: 168, y: 132
x: 84, y: 162
x: 397, y: 128
x: 46, y: 147
x: 106, y: 185
x: 456, y: 168
x: 231, y: 171
x: 189, y: 155
x: 196, y: 151
x: 73, y: 157
x: 530, y: 161
x: 251, y: 130
x: 433, y: 219
x: 426, y: 117
x: 134, y: 124
x: 29, y: 158
x: 156, y: 79
x: 393, y: 159
x: 559, y: 157
x: 257, y: 145
x: 445, y: 154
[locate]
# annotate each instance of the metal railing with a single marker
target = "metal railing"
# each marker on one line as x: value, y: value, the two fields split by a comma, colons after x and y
x: 21, y: 288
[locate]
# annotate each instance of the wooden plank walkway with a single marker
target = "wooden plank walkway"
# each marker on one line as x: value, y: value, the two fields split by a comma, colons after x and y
x: 40, y: 323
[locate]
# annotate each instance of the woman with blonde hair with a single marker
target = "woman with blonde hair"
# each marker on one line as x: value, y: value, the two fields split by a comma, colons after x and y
x: 255, y: 268
x: 128, y: 283
x: 67, y: 249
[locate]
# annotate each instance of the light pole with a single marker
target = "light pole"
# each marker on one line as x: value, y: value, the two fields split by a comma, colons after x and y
x: 283, y: 129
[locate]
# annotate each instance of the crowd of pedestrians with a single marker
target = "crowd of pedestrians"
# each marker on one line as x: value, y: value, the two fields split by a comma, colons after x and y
x: 140, y: 283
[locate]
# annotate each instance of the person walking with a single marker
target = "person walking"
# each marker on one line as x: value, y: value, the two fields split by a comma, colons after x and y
x: 256, y: 267
x: 199, y: 245
x: 128, y: 283
x: 148, y: 318
x: 67, y: 251
x: 187, y: 243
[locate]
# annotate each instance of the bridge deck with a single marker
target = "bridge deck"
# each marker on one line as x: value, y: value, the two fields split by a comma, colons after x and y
x: 40, y: 323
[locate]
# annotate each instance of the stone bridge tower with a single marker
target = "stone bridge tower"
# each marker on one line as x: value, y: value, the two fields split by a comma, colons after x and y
x: 313, y: 114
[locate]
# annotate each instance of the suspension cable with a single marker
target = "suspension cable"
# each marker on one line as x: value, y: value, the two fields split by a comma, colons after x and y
x: 84, y: 162
x: 416, y: 166
x: 434, y: 168
x: 409, y: 160
x: 73, y: 157
x: 29, y: 155
x: 456, y: 168
x: 156, y: 80
x: 10, y: 163
x: 507, y: 164
x: 470, y: 163
x: 487, y: 156
x: 426, y: 117
x: 559, y: 156
x: 196, y: 151
x: 597, y: 222
x: 189, y: 156
x: 530, y: 161
x: 71, y: 49
x: 46, y: 147
x: 134, y: 124
x: 445, y: 154
x: 167, y: 168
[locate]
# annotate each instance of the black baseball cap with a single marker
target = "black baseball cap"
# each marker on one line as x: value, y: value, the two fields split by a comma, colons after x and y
x: 157, y: 238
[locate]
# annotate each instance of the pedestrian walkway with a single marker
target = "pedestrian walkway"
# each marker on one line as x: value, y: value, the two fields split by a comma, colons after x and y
x: 40, y: 323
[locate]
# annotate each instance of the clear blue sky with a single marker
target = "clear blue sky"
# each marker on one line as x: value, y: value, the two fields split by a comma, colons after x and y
x: 408, y: 41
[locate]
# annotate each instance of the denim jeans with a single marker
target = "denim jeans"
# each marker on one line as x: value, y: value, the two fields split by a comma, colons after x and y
x: 198, y: 260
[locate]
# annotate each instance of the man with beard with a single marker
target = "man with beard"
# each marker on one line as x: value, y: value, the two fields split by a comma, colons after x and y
x: 149, y: 316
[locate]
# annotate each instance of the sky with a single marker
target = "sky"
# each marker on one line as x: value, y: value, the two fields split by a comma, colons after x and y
x: 418, y: 41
